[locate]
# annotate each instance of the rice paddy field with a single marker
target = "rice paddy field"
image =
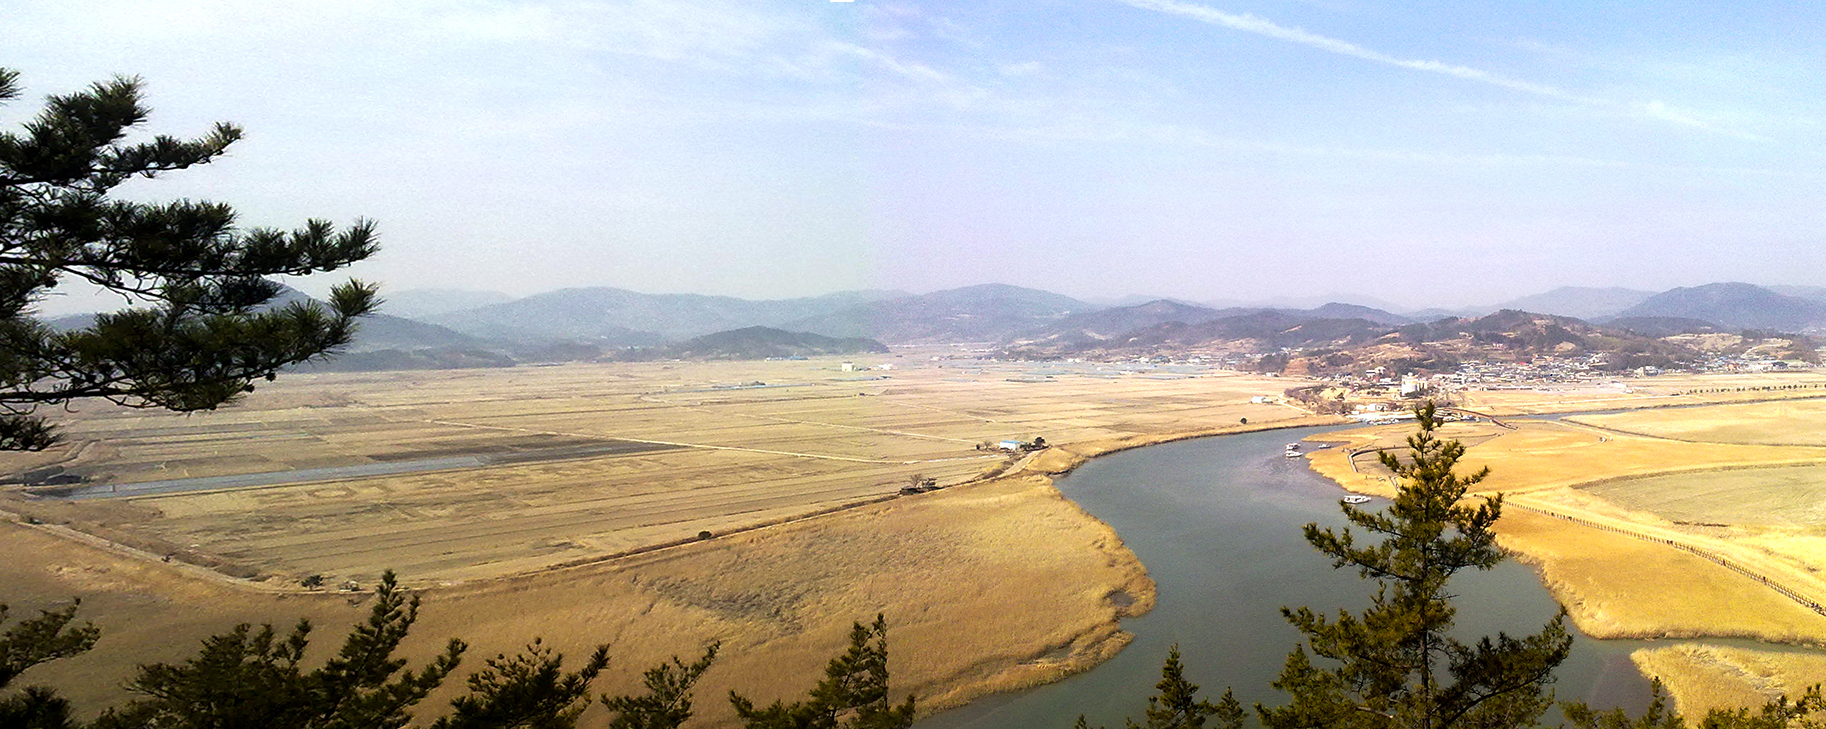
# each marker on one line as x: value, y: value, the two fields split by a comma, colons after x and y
x: 528, y: 468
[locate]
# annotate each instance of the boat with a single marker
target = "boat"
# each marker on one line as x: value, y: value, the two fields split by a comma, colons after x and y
x: 1292, y: 454
x: 1356, y: 499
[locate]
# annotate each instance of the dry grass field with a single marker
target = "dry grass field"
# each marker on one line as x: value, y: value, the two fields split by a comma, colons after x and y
x: 1734, y: 675
x: 989, y: 585
x: 1649, y: 392
x: 1644, y: 536
x: 1792, y: 422
x: 711, y: 455
x: 1791, y: 496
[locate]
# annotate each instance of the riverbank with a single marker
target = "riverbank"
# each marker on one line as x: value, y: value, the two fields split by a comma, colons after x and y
x: 1621, y: 572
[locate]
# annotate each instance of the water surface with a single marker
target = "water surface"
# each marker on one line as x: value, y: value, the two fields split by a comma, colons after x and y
x: 1217, y: 522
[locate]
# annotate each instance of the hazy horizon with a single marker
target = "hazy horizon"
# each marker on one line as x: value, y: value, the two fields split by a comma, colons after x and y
x: 1443, y: 155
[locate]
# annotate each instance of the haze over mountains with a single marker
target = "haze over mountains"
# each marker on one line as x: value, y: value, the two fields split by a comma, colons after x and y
x: 478, y: 329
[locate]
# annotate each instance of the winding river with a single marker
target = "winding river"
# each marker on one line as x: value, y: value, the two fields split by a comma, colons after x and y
x: 1217, y: 522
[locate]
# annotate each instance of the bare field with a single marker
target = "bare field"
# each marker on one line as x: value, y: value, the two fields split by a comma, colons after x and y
x: 1793, y: 496
x: 1009, y: 558
x: 1648, y: 392
x: 1787, y: 422
x: 728, y: 446
x: 1538, y: 455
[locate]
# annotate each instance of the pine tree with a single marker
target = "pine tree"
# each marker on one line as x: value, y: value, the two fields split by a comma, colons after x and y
x: 667, y: 703
x: 1177, y: 705
x: 1396, y: 665
x: 28, y: 643
x: 853, y: 694
x: 201, y: 332
x: 252, y: 678
x: 528, y: 691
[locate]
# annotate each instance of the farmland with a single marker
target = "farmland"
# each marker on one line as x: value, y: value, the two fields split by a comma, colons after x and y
x: 993, y: 585
x: 694, y: 448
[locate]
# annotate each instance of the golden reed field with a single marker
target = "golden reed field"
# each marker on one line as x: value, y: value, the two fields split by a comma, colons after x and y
x: 988, y: 584
x: 567, y: 503
x: 1675, y: 522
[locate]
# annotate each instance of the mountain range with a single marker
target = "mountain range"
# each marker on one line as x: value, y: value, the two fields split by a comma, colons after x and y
x: 467, y: 329
x: 623, y: 318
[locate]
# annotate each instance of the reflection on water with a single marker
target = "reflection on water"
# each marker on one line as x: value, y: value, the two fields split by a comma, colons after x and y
x: 1217, y: 522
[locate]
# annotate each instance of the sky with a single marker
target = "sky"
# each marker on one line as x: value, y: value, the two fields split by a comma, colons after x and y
x: 1434, y: 153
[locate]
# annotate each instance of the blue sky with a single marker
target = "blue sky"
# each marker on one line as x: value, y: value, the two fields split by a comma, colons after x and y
x: 1424, y: 153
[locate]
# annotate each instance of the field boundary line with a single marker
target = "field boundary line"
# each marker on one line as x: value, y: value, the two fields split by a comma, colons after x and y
x: 1653, y: 436
x: 1720, y: 560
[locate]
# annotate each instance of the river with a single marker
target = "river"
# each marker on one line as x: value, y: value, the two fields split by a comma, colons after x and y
x: 1217, y: 522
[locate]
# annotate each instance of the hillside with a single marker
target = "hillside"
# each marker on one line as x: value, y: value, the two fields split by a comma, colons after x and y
x: 422, y: 303
x: 623, y: 318
x: 989, y: 312
x: 1093, y: 327
x: 374, y: 332
x: 758, y: 343
x: 1734, y: 306
x: 1579, y: 302
x: 1335, y: 310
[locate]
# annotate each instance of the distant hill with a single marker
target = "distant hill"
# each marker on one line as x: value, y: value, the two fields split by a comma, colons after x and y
x: 1579, y: 302
x: 1436, y: 314
x: 376, y: 360
x: 422, y: 303
x: 1516, y: 335
x: 1306, y: 303
x: 619, y: 317
x: 382, y: 331
x: 1661, y: 326
x: 759, y: 343
x: 1335, y: 310
x: 1107, y: 324
x: 374, y: 332
x: 1817, y: 293
x: 1259, y: 330
x: 989, y: 312
x: 1137, y: 300
x: 1734, y: 306
x: 1165, y: 324
x: 1303, y: 342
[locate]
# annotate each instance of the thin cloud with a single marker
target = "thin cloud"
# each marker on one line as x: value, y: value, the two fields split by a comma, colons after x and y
x: 1247, y: 23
